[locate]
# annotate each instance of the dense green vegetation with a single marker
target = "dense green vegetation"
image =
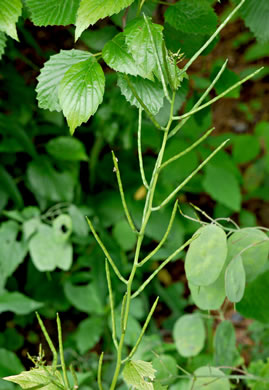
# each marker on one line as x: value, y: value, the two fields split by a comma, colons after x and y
x: 183, y: 197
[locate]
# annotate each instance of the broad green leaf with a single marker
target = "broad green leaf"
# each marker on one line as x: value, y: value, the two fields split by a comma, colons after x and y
x: 211, y: 378
x: 206, y: 256
x: 256, y: 256
x: 3, y: 40
x: 242, y: 152
x: 12, y: 251
x: 90, y: 11
x: 227, y: 79
x: 67, y: 149
x: 9, y: 363
x: 38, y: 378
x: 209, y: 297
x: 84, y: 298
x: 51, y: 75
x: 256, y: 15
x: 225, y: 352
x: 192, y: 17
x: 151, y: 93
x: 51, y: 12
x: 80, y: 226
x: 9, y: 185
x: 235, y: 280
x: 18, y: 303
x: 88, y: 333
x: 62, y: 228
x: 223, y: 186
x: 47, y: 252
x: 144, y: 43
x: 81, y: 91
x: 259, y: 368
x: 136, y: 372
x: 124, y: 235
x: 254, y: 303
x: 189, y: 335
x: 116, y: 56
x: 166, y: 369
x: 10, y: 10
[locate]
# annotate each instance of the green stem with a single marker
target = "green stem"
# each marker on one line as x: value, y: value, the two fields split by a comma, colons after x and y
x: 49, y: 341
x: 99, y: 373
x: 60, y: 338
x: 140, y: 155
x: 123, y: 200
x: 111, y: 302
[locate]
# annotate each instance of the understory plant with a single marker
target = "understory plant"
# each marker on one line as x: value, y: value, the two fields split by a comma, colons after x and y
x: 221, y: 260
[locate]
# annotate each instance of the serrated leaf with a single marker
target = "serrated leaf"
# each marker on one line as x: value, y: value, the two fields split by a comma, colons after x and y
x: 189, y: 335
x: 51, y: 12
x: 10, y: 10
x: 151, y: 93
x: 47, y: 253
x: 235, y: 280
x: 256, y: 16
x: 81, y: 91
x: 223, y: 186
x: 90, y: 11
x: 116, y: 56
x: 144, y: 42
x: 210, y: 378
x: 206, y: 256
x: 38, y: 378
x: 192, y: 17
x: 3, y: 40
x: 51, y: 75
x: 135, y: 372
x: 67, y: 149
x: 18, y: 303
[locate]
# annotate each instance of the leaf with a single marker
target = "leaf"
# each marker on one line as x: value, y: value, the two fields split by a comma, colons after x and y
x: 18, y: 303
x: 80, y: 226
x: 9, y: 363
x: 256, y: 256
x: 124, y: 235
x: 51, y: 12
x: 38, y: 378
x: 254, y: 303
x: 246, y: 147
x: 84, y: 298
x: 10, y: 10
x: 256, y: 15
x: 211, y: 378
x: 116, y: 56
x: 225, y: 353
x: 9, y: 185
x: 226, y: 80
x: 206, y: 256
x: 151, y: 93
x: 166, y: 370
x: 90, y: 11
x: 12, y: 251
x: 192, y: 17
x: 235, y: 280
x: 209, y: 297
x: 88, y: 333
x: 223, y: 186
x: 144, y: 42
x: 81, y: 91
x: 189, y: 335
x: 67, y: 149
x: 47, y: 252
x: 62, y: 228
x: 3, y: 40
x: 135, y: 372
x: 51, y: 75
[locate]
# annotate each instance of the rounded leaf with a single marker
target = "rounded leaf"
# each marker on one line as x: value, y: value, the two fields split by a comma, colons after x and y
x: 189, y: 335
x: 206, y: 256
x: 235, y: 280
x: 62, y: 227
x: 211, y: 378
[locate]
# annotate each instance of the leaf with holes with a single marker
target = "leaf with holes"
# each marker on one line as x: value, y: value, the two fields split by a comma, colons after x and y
x: 52, y: 74
x: 90, y: 11
x: 10, y: 10
x: 51, y: 12
x: 81, y: 91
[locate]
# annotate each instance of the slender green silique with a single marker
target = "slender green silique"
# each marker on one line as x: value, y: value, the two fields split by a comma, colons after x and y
x: 61, y: 350
x: 49, y: 341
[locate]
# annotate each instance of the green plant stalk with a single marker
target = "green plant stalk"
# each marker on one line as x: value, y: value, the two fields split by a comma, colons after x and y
x: 139, y: 145
x: 49, y: 341
x: 123, y: 200
x: 60, y: 339
x: 111, y: 302
x: 99, y: 374
x: 73, y: 373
